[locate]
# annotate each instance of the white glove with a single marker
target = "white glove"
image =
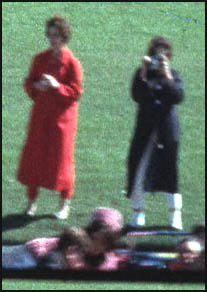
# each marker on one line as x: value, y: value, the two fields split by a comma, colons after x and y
x: 51, y: 81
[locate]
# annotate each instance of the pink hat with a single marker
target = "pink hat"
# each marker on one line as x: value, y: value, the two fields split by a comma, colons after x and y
x: 111, y: 217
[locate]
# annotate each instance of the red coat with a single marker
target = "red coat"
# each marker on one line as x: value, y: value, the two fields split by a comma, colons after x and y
x: 48, y: 155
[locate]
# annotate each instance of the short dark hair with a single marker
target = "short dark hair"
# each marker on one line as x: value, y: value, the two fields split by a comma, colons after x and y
x: 62, y: 26
x: 160, y: 42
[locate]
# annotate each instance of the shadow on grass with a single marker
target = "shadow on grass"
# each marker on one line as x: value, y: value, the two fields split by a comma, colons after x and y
x: 127, y: 228
x: 128, y: 275
x: 15, y: 221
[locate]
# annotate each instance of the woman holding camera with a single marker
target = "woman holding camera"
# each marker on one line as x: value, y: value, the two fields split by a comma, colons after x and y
x: 55, y: 85
x: 152, y: 161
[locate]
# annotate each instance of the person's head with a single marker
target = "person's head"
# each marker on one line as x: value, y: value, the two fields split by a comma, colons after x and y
x: 105, y: 228
x: 160, y: 45
x: 190, y: 250
x: 58, y: 31
x: 107, y: 217
x: 93, y: 241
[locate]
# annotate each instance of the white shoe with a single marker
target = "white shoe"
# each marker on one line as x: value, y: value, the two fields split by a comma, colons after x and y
x: 64, y: 210
x: 31, y: 209
x: 176, y: 220
x: 62, y: 214
x: 138, y: 219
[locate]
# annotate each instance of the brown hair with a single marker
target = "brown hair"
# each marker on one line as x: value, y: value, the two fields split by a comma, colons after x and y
x: 62, y: 26
x: 158, y: 43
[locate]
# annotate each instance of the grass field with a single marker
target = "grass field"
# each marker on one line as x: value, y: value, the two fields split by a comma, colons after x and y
x: 110, y: 40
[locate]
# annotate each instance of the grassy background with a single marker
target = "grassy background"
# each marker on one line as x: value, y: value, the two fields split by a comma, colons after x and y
x: 110, y: 40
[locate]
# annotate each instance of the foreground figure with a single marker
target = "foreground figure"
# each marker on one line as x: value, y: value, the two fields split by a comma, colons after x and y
x: 98, y: 247
x: 91, y: 248
x: 55, y: 84
x: 153, y: 155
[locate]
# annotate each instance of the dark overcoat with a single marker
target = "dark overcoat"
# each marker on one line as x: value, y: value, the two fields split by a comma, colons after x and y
x: 153, y: 154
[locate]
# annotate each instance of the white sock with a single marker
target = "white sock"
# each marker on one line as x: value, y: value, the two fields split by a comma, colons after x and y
x: 138, y: 219
x: 137, y: 201
x: 32, y: 202
x: 176, y: 219
x: 174, y: 202
x: 64, y: 203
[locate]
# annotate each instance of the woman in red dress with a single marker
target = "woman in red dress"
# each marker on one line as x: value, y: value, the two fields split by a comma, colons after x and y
x: 55, y: 84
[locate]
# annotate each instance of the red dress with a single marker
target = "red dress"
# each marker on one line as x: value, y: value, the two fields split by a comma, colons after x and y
x: 48, y: 156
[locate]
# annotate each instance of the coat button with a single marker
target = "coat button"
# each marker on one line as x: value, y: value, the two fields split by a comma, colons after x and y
x: 157, y: 101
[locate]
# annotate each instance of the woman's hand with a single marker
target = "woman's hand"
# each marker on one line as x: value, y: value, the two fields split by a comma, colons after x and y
x: 50, y: 80
x: 74, y: 258
x: 41, y: 85
x: 165, y: 67
x: 46, y: 82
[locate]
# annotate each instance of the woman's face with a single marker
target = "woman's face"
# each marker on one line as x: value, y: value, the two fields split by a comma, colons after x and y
x: 191, y: 251
x: 54, y: 38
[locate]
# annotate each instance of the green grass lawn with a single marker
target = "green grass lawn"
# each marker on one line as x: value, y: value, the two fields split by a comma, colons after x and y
x: 52, y: 285
x: 110, y: 40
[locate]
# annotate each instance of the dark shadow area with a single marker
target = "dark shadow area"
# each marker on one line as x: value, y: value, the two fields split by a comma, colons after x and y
x: 12, y: 242
x: 15, y: 221
x: 152, y: 247
x: 121, y: 276
x: 129, y: 228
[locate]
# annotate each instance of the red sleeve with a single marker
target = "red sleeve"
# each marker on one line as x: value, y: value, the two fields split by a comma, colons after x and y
x: 72, y: 90
x: 32, y: 77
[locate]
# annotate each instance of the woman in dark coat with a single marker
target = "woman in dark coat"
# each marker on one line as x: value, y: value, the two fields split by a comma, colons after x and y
x: 152, y: 161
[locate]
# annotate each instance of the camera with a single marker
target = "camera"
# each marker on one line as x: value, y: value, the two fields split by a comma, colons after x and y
x: 155, y: 62
x: 154, y: 65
